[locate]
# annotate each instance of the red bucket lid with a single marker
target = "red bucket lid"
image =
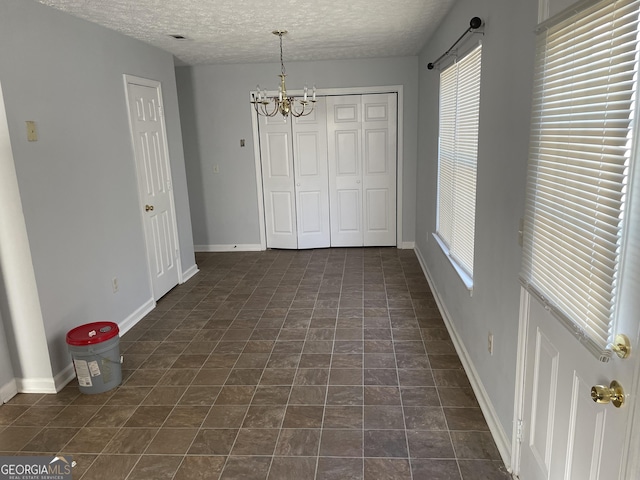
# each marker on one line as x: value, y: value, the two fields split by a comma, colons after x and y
x: 90, y: 333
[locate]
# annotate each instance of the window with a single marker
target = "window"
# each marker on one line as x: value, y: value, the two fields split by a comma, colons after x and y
x: 585, y: 90
x: 457, y: 158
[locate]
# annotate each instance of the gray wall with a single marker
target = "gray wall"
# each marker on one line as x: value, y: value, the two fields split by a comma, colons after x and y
x: 215, y: 115
x: 506, y: 90
x: 78, y: 181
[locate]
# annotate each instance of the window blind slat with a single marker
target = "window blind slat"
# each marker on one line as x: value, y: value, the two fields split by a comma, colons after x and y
x: 585, y: 89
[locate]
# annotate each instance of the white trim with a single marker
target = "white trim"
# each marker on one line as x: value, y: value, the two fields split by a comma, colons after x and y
x: 190, y: 272
x: 495, y: 427
x: 129, y: 322
x: 8, y: 391
x: 65, y: 376
x: 518, y: 410
x: 247, y: 247
x: 328, y: 92
x: 36, y: 385
x: 258, y: 165
x: 464, y: 276
x: 399, y: 161
x: 132, y: 79
x: 631, y: 464
x: 407, y: 245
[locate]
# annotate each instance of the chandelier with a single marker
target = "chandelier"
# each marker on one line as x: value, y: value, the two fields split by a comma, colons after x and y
x: 270, y: 106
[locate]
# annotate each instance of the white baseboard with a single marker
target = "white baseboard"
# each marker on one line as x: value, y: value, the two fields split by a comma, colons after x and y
x: 190, y: 272
x: 495, y: 427
x: 247, y: 247
x: 64, y: 377
x: 8, y: 391
x: 129, y: 322
x: 36, y: 385
x: 407, y: 245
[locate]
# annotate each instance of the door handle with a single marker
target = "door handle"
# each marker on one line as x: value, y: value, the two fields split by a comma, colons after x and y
x: 148, y: 208
x: 614, y: 393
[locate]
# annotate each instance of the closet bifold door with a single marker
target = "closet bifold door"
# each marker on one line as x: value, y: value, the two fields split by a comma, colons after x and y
x: 362, y: 138
x: 295, y: 180
x: 312, y: 178
x: 276, y: 155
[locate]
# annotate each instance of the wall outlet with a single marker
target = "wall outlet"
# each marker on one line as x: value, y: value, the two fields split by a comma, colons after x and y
x: 114, y: 284
x: 490, y: 343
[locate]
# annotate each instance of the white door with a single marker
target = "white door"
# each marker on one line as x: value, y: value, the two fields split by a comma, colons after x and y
x: 278, y: 182
x: 293, y: 155
x: 312, y: 178
x: 379, y: 126
x: 344, y: 139
x: 362, y: 169
x: 566, y: 435
x: 154, y: 183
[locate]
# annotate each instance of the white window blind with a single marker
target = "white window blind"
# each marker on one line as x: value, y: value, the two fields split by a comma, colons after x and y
x: 458, y: 151
x: 580, y: 152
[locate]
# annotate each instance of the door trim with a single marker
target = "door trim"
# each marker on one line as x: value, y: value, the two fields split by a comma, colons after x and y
x: 145, y: 82
x: 518, y: 401
x: 327, y: 92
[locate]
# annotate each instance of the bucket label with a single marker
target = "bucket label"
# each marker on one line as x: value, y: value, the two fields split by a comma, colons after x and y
x: 82, y: 372
x: 94, y: 368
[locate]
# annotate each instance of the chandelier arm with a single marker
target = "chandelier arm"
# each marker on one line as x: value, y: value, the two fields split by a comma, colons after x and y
x: 273, y: 111
x: 302, y: 111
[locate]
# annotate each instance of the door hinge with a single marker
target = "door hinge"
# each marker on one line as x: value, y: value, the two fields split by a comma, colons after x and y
x: 519, y: 432
x: 161, y: 110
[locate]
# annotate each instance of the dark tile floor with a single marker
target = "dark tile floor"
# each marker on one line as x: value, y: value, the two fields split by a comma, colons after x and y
x: 323, y: 364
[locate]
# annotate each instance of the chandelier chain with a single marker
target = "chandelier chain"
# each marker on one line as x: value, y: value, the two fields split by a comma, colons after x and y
x: 284, y: 72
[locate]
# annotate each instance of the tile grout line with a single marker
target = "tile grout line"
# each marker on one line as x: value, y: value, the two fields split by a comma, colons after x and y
x: 286, y: 407
x: 393, y: 342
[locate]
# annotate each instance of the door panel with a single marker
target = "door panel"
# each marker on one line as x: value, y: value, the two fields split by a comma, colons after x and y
x: 278, y: 183
x: 310, y: 202
x: 345, y: 172
x: 347, y: 153
x: 312, y: 178
x: 282, y: 220
x: 278, y: 159
x: 567, y: 435
x: 349, y: 212
x: 154, y: 184
x: 377, y: 201
x: 379, y: 169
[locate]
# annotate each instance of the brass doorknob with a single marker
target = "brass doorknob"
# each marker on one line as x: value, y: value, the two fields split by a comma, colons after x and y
x: 614, y: 393
x: 148, y: 208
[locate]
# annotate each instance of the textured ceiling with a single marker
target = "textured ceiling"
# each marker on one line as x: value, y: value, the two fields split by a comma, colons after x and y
x: 239, y: 31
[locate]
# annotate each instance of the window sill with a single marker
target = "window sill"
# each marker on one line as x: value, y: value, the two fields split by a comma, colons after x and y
x: 464, y: 276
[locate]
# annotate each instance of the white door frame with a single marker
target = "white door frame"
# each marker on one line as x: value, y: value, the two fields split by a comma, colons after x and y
x: 397, y: 89
x: 132, y: 79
